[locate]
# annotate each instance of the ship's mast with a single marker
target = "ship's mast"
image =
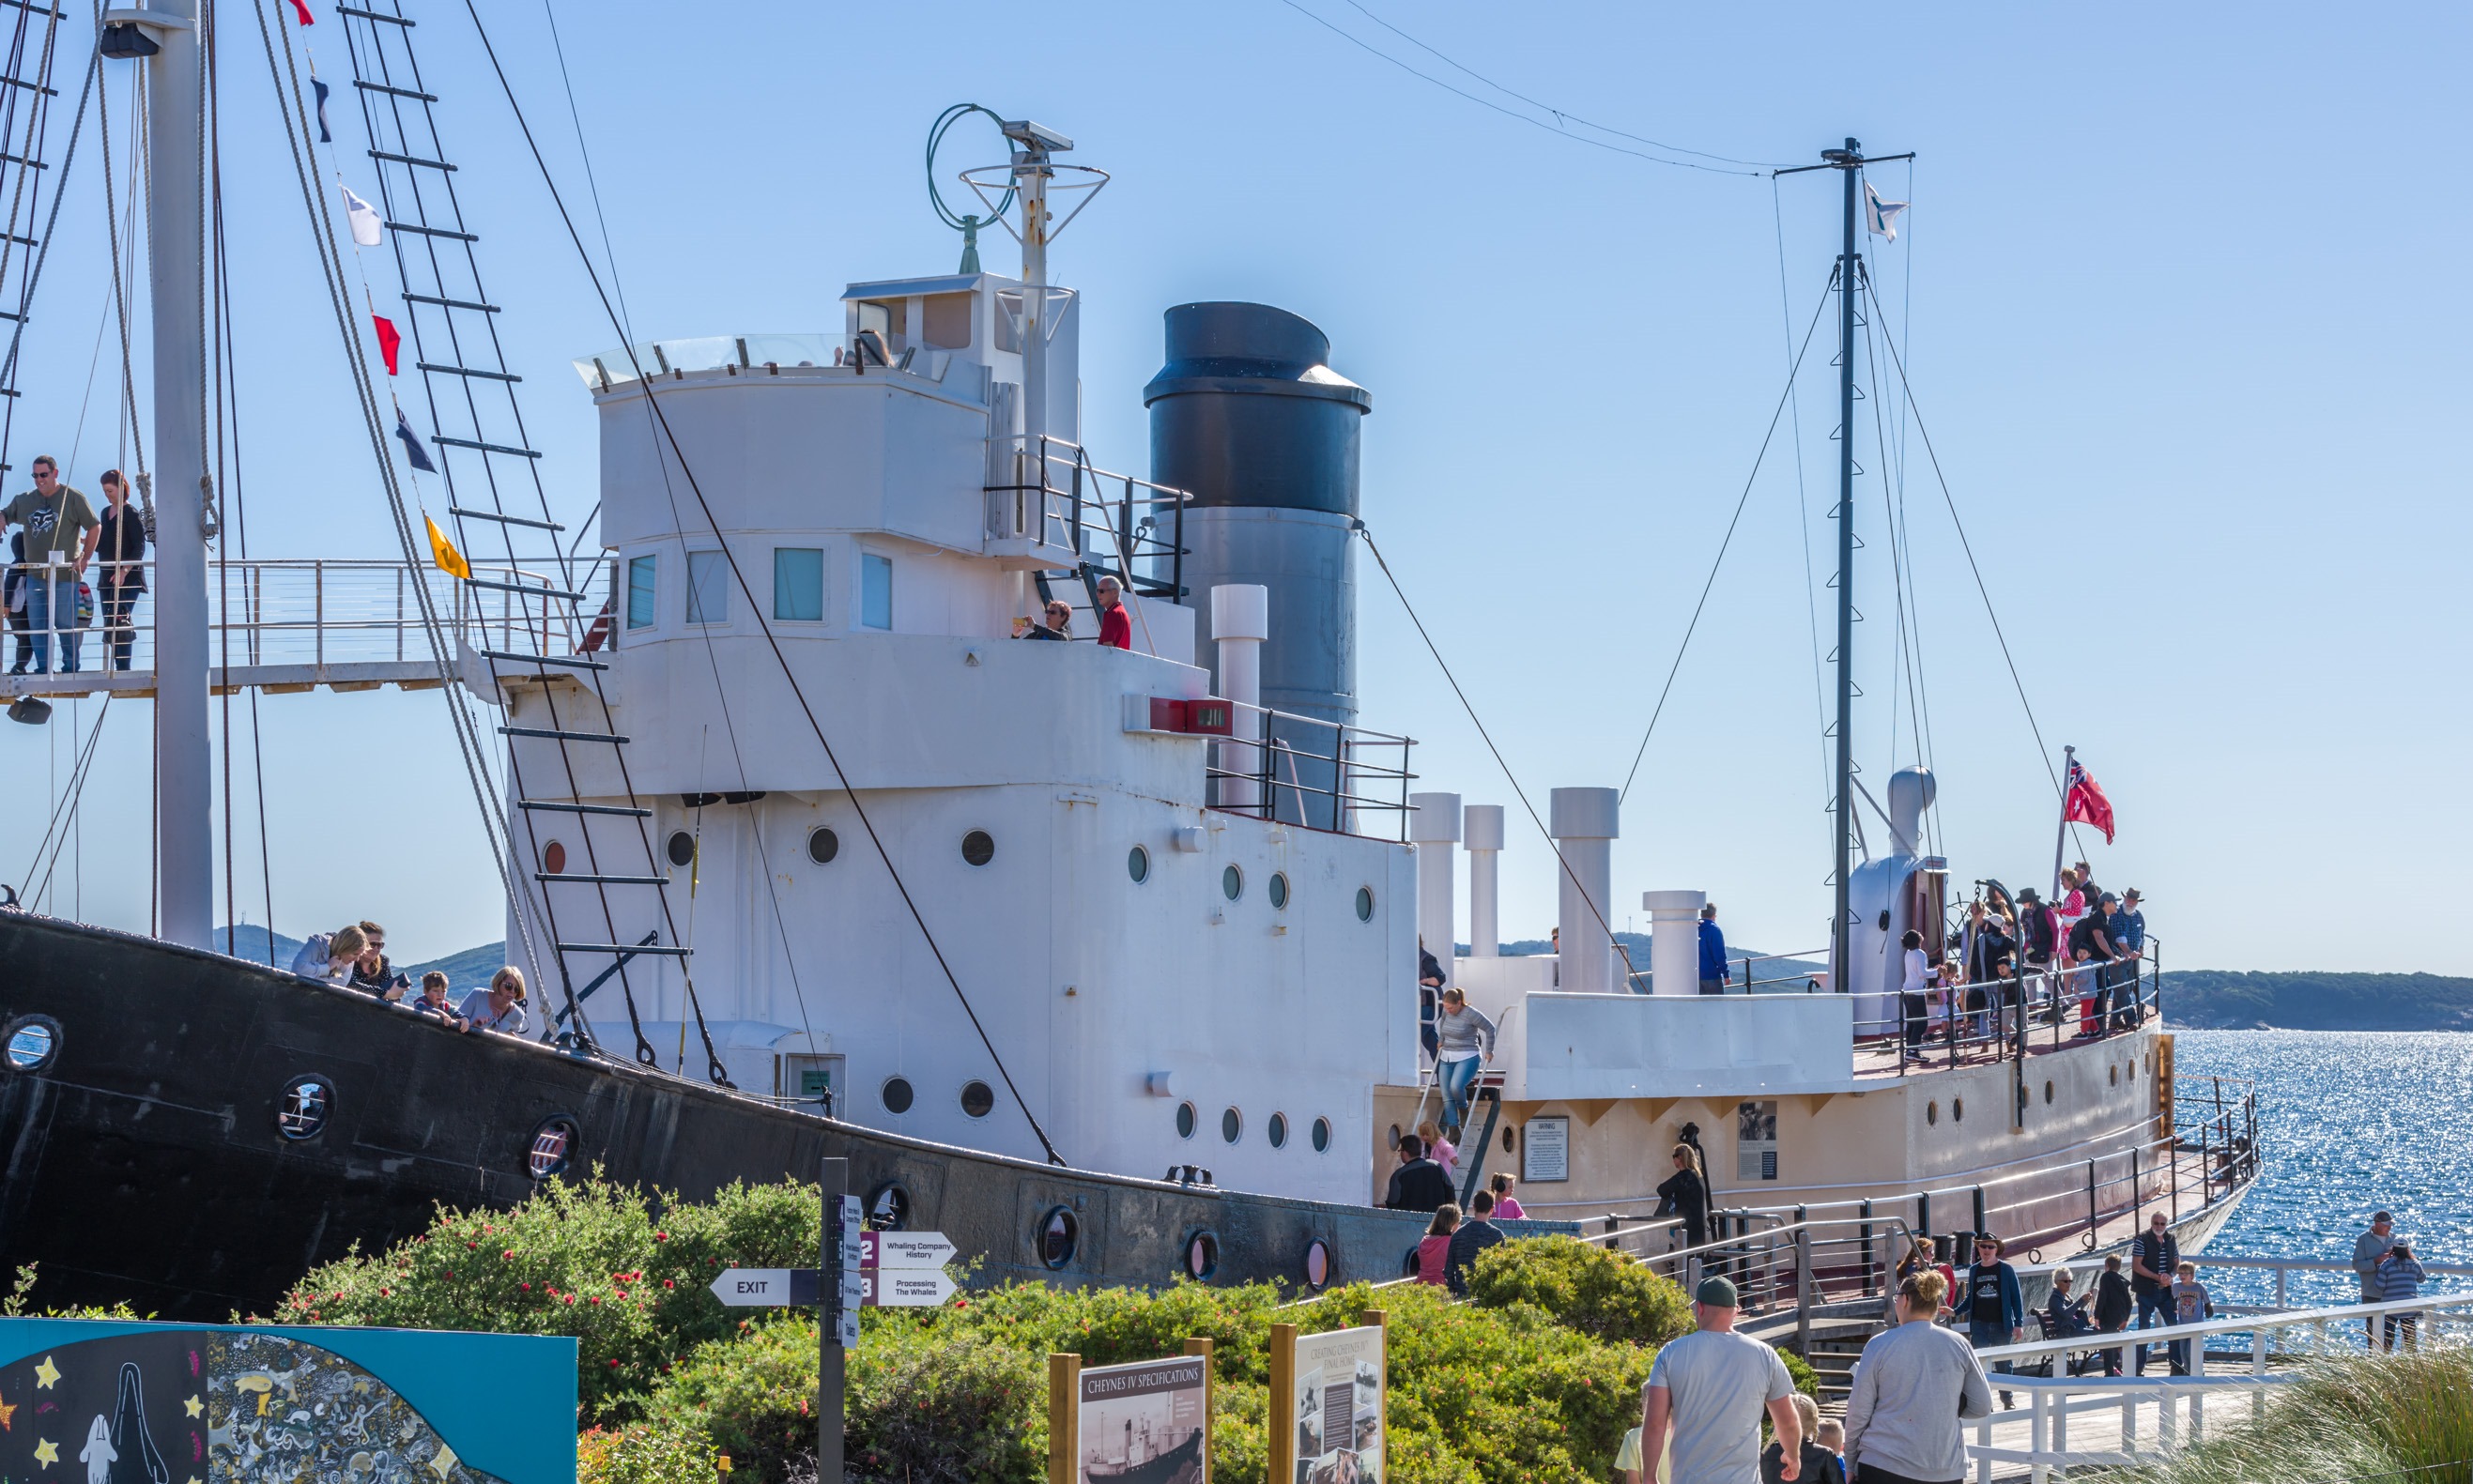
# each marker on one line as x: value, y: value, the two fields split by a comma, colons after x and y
x: 174, y: 259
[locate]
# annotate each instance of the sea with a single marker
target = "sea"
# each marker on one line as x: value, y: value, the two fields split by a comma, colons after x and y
x: 2349, y: 1123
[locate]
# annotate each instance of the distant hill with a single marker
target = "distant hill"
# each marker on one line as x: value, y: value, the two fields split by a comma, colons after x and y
x: 2227, y: 1000
x: 470, y: 969
x: 1636, y: 946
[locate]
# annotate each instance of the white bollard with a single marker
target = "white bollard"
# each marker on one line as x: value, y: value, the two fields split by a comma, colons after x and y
x: 1585, y: 822
x: 1674, y: 941
x: 1433, y: 828
x: 1240, y: 620
x: 1483, y: 825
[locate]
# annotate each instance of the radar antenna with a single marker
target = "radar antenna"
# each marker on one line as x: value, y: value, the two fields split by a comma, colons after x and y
x: 968, y: 224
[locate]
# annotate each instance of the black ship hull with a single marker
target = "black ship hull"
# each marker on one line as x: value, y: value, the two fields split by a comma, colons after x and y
x: 143, y: 1161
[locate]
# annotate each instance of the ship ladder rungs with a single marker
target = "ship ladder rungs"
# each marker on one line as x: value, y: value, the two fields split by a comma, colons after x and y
x: 458, y: 371
x: 553, y: 734
x: 581, y: 880
x: 668, y: 950
x: 572, y: 661
x: 528, y: 589
x: 512, y: 520
x: 621, y: 810
x: 466, y: 442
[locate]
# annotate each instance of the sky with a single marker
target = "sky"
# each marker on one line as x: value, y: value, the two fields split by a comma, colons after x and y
x: 2176, y: 294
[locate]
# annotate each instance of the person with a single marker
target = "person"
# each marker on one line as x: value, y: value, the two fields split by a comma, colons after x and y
x: 2154, y: 1254
x: 2189, y: 1305
x: 2128, y: 930
x: 373, y: 972
x: 1714, y: 975
x: 1922, y: 1259
x: 120, y: 544
x: 1419, y: 1184
x: 1988, y: 943
x: 2036, y: 933
x: 1440, y: 1150
x: 1709, y: 1388
x: 61, y: 531
x: 1996, y: 1308
x: 2113, y: 1307
x: 1055, y: 622
x: 1833, y: 1437
x: 1464, y: 1042
x: 2065, y: 1312
x: 498, y: 1008
x: 1821, y: 1464
x: 1505, y: 1206
x: 2400, y: 1277
x: 14, y: 584
x: 2087, y: 888
x: 1429, y: 985
x: 2072, y: 902
x: 329, y: 957
x: 2090, y: 946
x: 1627, y: 1470
x: 2367, y: 1249
x: 1913, y: 1385
x: 1475, y: 1235
x: 433, y: 1001
x: 1686, y: 1194
x: 1434, y: 1249
x: 1115, y: 625
x: 1914, y: 987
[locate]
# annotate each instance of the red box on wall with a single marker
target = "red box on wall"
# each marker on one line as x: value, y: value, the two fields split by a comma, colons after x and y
x: 1212, y: 717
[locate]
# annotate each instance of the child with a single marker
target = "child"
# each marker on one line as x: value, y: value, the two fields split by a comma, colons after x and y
x: 2399, y: 1276
x: 1833, y: 1438
x: 1821, y: 1466
x: 2114, y: 1305
x: 2189, y: 1305
x: 1435, y: 1252
x: 433, y: 1000
x: 1505, y: 1208
x: 1627, y: 1467
x: 1440, y: 1150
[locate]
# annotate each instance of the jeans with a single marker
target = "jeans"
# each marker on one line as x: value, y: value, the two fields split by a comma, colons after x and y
x: 2411, y: 1327
x: 51, y: 603
x: 1456, y: 1077
x: 2155, y: 1303
x: 1985, y: 1337
x: 118, y: 633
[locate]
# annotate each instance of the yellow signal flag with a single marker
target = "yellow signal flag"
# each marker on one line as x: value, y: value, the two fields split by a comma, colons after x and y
x: 449, y: 560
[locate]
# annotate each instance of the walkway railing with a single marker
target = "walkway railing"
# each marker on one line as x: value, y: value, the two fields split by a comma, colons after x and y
x: 2284, y: 1336
x: 1054, y: 501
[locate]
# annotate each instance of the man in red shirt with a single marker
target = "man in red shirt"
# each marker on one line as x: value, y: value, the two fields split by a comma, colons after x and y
x: 1115, y: 625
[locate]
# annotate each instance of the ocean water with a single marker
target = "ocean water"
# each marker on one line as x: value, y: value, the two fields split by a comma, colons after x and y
x: 2351, y: 1123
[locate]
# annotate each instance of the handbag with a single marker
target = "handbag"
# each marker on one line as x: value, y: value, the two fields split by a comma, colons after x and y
x: 84, y: 607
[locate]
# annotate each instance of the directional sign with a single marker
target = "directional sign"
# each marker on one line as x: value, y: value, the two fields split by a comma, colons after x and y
x: 853, y: 1222
x: 908, y: 1287
x: 766, y: 1287
x: 905, y: 1250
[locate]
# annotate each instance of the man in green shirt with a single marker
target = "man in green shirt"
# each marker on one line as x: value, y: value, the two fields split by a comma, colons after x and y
x: 61, y: 531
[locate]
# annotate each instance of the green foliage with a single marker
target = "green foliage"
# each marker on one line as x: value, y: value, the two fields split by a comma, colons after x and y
x: 1599, y: 1293
x: 1804, y: 1380
x: 588, y: 1259
x: 15, y: 1306
x: 2402, y: 1417
x: 664, y: 1453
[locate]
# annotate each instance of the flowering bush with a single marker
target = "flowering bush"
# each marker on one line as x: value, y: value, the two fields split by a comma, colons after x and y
x: 628, y: 1277
x: 667, y: 1452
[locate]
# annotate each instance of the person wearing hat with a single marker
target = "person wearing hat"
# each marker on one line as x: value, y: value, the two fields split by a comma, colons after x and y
x: 2038, y: 933
x: 2128, y: 929
x: 1914, y: 1385
x: 1709, y: 1388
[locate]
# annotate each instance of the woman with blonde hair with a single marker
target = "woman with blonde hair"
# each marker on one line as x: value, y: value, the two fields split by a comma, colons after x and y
x: 329, y: 957
x: 500, y: 1007
x: 1442, y: 1151
x: 1915, y: 1384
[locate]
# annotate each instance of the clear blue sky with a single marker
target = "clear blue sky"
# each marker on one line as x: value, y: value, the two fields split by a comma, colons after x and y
x: 2184, y: 326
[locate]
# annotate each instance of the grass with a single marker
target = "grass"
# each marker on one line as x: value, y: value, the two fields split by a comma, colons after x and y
x: 2403, y: 1418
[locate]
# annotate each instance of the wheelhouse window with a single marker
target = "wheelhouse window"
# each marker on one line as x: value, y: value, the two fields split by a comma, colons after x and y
x: 707, y: 587
x: 799, y: 584
x: 641, y: 592
x: 874, y: 591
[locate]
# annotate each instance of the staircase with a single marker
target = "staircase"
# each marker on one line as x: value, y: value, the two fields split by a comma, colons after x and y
x: 1834, y: 1346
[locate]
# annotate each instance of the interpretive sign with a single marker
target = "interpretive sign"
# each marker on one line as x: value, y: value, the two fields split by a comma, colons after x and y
x: 253, y: 1404
x: 1327, y: 1397
x: 1545, y: 1151
x: 1142, y: 1423
x: 905, y: 1250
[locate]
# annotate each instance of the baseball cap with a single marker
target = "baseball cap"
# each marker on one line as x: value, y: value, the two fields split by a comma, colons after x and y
x: 1717, y: 1293
x: 2108, y: 897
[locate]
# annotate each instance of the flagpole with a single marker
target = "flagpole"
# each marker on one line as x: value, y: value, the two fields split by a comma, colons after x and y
x: 2061, y: 836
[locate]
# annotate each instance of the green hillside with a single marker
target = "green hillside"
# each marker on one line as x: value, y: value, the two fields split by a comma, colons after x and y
x: 2215, y: 997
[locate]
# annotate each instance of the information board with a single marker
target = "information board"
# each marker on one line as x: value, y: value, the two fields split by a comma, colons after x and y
x: 1545, y: 1151
x: 1145, y: 1421
x: 1339, y: 1407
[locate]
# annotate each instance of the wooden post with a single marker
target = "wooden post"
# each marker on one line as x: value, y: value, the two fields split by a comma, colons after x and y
x: 1381, y: 1321
x: 1284, y: 1405
x: 1203, y: 1347
x: 1065, y: 1417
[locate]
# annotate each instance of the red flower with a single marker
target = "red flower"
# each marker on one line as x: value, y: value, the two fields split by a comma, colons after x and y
x: 660, y: 1236
x: 594, y: 1299
x: 622, y: 1293
x: 386, y: 1293
x: 509, y: 1253
x: 667, y: 1284
x: 471, y: 1244
x: 570, y: 1298
x: 613, y: 1365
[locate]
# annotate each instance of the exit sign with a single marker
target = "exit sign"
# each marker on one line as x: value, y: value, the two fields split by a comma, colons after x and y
x: 1209, y: 717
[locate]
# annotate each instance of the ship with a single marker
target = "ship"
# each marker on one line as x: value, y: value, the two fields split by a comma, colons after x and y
x: 1137, y: 1463
x: 1100, y: 959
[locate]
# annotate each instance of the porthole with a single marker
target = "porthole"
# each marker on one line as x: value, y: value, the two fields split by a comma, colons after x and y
x: 1957, y: 1109
x: 978, y: 847
x: 1232, y: 883
x: 823, y: 844
x: 1186, y: 1119
x: 553, y: 1146
x: 2048, y: 1092
x: 1279, y: 892
x: 2116, y: 1076
x: 1409, y: 1263
x: 1232, y: 1126
x: 33, y: 1042
x: 1318, y: 1264
x: 1365, y: 904
x: 1137, y: 865
x: 1932, y: 1111
x: 554, y: 857
x: 681, y: 848
x: 1507, y: 1144
x: 1201, y: 1255
x: 1321, y: 1135
x: 978, y: 1099
x: 888, y: 1209
x: 1277, y: 1130
x: 1391, y: 1140
x: 1060, y: 1234
x: 897, y: 1093
x: 304, y: 1106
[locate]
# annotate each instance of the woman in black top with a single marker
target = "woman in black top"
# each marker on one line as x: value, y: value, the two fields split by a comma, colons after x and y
x: 1686, y: 1194
x: 120, y: 549
x: 12, y: 588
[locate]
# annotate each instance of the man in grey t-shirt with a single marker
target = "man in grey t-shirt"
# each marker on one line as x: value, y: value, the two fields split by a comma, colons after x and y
x: 1710, y: 1387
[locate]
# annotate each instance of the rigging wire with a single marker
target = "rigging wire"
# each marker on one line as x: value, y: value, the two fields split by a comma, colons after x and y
x: 592, y: 182
x: 739, y: 577
x: 1801, y: 501
x: 1514, y: 114
x: 1777, y: 414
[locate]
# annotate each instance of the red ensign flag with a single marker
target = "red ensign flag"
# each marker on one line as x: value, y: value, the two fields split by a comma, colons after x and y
x: 389, y: 339
x: 2085, y: 803
x: 303, y: 7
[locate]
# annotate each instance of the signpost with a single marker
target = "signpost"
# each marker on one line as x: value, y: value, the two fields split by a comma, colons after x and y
x: 831, y: 1307
x: 1329, y: 1398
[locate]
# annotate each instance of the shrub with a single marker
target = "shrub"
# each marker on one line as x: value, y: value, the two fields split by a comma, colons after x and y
x: 667, y: 1452
x: 1804, y: 1380
x: 14, y: 1305
x: 1601, y: 1294
x: 602, y: 1262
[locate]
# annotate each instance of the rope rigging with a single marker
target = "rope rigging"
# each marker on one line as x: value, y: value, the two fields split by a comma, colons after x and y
x: 739, y: 577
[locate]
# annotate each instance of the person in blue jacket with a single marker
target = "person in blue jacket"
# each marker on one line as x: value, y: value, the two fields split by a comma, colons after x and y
x: 1713, y: 975
x: 1994, y: 1307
